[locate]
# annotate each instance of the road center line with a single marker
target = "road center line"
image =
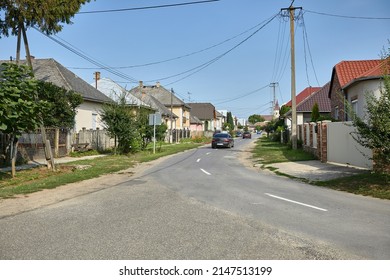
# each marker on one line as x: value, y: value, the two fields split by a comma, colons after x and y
x: 205, y: 172
x: 198, y: 160
x: 208, y: 153
x: 296, y: 202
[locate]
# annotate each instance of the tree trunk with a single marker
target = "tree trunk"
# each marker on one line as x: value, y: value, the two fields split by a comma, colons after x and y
x: 14, y: 153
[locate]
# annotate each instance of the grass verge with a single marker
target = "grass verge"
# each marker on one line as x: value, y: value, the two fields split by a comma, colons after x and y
x: 367, y: 184
x: 36, y: 179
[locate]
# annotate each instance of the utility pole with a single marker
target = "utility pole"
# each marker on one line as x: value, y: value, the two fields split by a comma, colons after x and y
x: 273, y: 85
x: 291, y: 11
x: 171, y: 134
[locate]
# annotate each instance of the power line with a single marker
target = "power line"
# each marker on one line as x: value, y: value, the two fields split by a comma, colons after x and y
x: 86, y: 57
x: 242, y: 96
x: 352, y: 17
x: 178, y: 57
x: 148, y: 7
x: 208, y: 63
x: 306, y: 41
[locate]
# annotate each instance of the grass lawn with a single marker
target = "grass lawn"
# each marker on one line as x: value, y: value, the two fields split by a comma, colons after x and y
x: 36, y: 179
x: 267, y: 152
x: 368, y: 184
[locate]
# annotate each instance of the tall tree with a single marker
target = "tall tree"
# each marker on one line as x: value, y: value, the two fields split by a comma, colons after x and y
x: 255, y: 118
x: 315, y: 112
x: 120, y: 123
x: 229, y: 120
x: 20, y: 110
x: 61, y: 105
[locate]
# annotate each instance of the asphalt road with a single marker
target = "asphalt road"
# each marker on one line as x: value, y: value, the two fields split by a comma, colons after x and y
x: 201, y: 204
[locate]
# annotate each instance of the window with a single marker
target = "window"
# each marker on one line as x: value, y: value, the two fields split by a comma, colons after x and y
x: 94, y: 119
x: 336, y: 112
x: 354, y: 105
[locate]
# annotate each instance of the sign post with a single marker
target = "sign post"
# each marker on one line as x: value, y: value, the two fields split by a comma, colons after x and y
x: 154, y: 119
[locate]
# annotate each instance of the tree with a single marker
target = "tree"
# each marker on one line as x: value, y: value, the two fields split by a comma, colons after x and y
x: 255, y: 118
x: 230, y: 121
x: 283, y: 110
x: 20, y: 110
x: 315, y: 112
x: 61, y: 105
x: 120, y: 123
x: 373, y: 131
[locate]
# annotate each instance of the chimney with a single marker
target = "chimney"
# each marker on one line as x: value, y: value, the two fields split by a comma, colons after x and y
x: 141, y: 84
x: 97, y: 78
x: 158, y: 84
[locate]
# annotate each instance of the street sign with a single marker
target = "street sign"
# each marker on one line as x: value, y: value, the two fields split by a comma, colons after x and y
x: 155, y: 119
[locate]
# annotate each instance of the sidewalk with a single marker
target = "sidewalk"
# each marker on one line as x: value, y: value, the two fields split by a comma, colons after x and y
x: 39, y: 162
x: 314, y: 170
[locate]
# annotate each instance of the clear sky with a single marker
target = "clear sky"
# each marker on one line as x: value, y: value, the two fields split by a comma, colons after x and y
x: 221, y: 52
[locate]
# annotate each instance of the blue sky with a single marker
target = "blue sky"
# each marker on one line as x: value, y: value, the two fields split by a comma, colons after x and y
x: 239, y: 80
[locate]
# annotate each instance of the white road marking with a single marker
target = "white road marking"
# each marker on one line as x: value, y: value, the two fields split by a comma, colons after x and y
x: 198, y: 160
x: 208, y: 153
x: 296, y: 202
x: 204, y: 171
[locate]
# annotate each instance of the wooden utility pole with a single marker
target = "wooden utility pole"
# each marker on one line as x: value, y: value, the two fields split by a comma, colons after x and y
x: 171, y: 117
x: 291, y: 11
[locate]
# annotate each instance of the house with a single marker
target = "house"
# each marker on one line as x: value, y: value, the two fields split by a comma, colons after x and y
x: 304, y: 108
x: 88, y: 113
x: 207, y: 114
x: 158, y: 93
x: 350, y: 81
x: 196, y: 125
x: 114, y: 91
x: 299, y: 98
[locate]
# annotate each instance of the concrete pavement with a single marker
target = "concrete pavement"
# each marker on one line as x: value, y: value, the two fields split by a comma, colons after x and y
x: 314, y: 170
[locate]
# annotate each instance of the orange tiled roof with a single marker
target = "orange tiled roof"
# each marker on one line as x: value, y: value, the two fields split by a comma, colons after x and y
x: 303, y: 95
x: 348, y: 71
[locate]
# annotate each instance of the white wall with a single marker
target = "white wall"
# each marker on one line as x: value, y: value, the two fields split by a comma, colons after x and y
x: 343, y: 149
x: 359, y: 90
x: 85, y: 116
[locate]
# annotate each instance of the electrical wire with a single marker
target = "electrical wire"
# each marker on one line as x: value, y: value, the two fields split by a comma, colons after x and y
x: 148, y: 7
x: 86, y: 57
x: 343, y: 16
x: 178, y: 57
x: 208, y: 63
x: 306, y: 42
x: 242, y: 96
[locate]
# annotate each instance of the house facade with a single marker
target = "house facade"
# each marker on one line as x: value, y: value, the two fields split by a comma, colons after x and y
x: 304, y: 108
x: 88, y: 113
x: 350, y: 82
x: 177, y: 107
x: 207, y: 114
x: 299, y: 98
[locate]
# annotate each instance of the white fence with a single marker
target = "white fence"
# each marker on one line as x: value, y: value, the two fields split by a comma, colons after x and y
x: 343, y: 149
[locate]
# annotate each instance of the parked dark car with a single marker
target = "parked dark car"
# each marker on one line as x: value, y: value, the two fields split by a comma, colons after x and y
x: 222, y: 140
x: 247, y: 134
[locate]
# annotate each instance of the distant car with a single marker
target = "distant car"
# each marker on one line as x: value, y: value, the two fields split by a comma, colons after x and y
x: 259, y: 131
x: 246, y: 134
x: 238, y: 134
x: 222, y: 140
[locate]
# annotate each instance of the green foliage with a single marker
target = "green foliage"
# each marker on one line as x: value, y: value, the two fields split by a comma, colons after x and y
x: 255, y: 118
x: 121, y: 124
x: 61, y: 105
x: 315, y: 112
x: 47, y: 15
x: 373, y: 131
x: 230, y: 120
x: 283, y: 110
x: 19, y: 110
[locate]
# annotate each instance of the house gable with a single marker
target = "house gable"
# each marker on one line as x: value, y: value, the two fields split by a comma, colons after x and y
x: 344, y: 74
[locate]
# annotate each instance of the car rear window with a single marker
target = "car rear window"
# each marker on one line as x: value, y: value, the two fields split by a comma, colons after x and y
x: 221, y: 135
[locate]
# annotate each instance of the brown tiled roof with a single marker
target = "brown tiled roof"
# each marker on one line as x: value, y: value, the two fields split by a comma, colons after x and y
x: 320, y: 97
x: 303, y: 95
x: 204, y: 111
